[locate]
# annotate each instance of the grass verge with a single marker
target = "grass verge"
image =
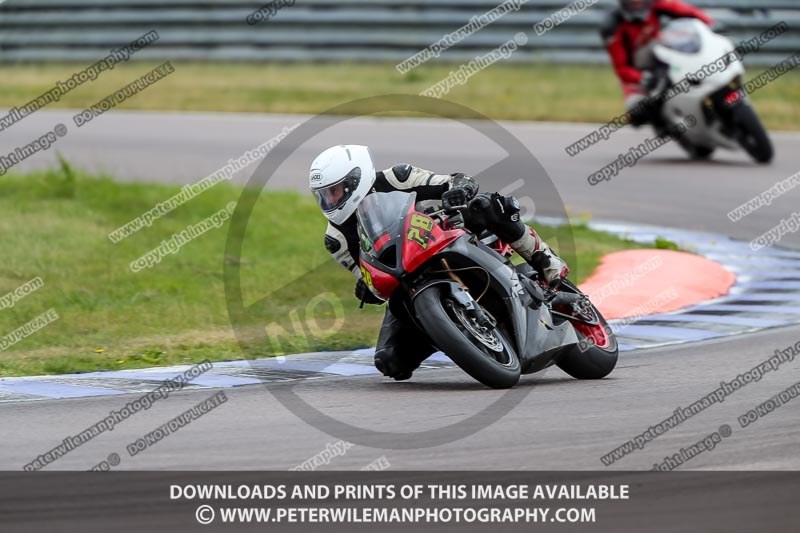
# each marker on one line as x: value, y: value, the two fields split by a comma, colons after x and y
x: 582, y: 93
x: 55, y: 225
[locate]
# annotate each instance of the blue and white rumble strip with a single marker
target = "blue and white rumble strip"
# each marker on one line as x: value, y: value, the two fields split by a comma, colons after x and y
x: 759, y: 299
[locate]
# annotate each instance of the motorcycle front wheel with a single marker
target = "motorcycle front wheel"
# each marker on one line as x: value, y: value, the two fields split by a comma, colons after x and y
x: 485, y: 354
x: 751, y: 134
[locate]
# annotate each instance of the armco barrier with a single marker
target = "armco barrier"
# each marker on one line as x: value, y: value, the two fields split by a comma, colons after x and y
x: 359, y: 30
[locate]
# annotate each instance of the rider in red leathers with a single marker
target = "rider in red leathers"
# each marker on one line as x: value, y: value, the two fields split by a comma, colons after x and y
x: 628, y: 33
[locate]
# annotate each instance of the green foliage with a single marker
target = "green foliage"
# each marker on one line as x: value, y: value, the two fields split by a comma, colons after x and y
x: 665, y: 244
x: 538, y: 91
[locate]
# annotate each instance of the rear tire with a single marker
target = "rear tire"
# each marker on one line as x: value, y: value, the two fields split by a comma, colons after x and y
x: 751, y: 134
x: 498, y: 370
x: 587, y: 361
x: 595, y: 356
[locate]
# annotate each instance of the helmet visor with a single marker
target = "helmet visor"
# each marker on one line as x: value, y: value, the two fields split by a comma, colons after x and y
x: 336, y: 195
x: 636, y: 10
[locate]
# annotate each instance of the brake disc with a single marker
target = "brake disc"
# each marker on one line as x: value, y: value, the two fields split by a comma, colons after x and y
x: 485, y: 336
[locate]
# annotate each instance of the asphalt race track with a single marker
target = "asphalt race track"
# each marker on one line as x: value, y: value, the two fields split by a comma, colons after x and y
x: 663, y: 189
x: 559, y: 423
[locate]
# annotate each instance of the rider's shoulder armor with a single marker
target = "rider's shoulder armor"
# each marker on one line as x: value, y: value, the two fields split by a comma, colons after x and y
x: 399, y: 177
x: 428, y: 185
x: 402, y: 172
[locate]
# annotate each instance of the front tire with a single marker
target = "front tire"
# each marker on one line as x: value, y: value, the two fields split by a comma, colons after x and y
x: 462, y: 342
x: 751, y: 134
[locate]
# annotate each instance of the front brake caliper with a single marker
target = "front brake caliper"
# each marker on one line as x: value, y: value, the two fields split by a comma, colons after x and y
x: 465, y: 299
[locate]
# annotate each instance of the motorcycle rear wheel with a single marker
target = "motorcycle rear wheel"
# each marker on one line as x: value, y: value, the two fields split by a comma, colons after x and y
x: 595, y: 356
x: 472, y: 348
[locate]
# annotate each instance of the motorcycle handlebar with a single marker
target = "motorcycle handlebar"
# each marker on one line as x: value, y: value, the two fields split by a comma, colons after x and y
x: 454, y: 209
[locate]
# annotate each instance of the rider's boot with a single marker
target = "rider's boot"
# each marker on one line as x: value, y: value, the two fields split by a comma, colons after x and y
x: 541, y: 257
x: 401, y: 348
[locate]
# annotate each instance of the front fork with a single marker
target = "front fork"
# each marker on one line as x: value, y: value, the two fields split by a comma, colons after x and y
x: 463, y: 297
x: 465, y: 300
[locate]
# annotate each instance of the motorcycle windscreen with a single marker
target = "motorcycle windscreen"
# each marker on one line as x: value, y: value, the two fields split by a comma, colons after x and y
x: 380, y: 219
x: 682, y: 36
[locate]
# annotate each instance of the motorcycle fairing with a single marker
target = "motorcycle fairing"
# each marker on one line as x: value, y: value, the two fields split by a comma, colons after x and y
x: 537, y: 336
x: 683, y: 65
x: 411, y: 240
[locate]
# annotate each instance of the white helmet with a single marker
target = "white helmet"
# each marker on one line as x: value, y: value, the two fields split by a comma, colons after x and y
x: 340, y: 178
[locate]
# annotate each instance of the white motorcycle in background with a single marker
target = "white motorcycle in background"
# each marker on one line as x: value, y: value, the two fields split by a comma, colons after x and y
x: 688, y: 57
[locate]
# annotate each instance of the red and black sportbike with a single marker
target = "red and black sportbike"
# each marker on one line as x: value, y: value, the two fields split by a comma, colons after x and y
x: 495, y: 320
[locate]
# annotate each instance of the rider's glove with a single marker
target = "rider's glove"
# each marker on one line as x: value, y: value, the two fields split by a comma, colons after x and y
x: 650, y: 80
x: 365, y: 295
x: 462, y: 190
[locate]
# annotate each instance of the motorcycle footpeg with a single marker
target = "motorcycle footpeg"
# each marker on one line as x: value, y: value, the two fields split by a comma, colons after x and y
x: 526, y: 270
x: 534, y: 290
x: 566, y: 299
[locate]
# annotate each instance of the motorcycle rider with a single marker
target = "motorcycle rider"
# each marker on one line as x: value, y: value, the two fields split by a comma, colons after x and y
x: 628, y: 33
x: 342, y: 176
